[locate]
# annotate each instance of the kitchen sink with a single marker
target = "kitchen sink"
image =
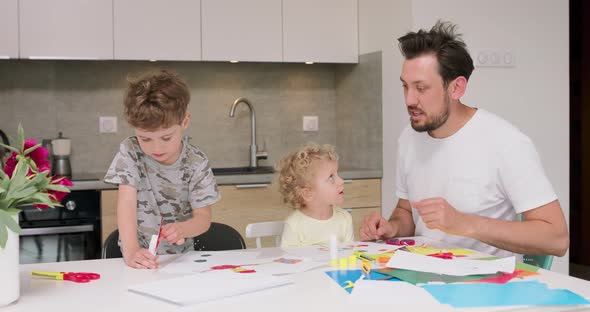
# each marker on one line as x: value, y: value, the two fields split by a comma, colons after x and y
x: 242, y: 170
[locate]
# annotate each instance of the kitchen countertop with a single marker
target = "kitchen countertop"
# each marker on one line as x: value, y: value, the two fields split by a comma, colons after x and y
x: 345, y: 173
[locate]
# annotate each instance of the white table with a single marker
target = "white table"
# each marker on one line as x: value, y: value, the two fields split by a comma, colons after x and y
x: 311, y: 291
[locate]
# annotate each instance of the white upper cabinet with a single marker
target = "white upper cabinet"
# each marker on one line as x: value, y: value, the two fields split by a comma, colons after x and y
x: 157, y: 29
x: 68, y: 29
x: 242, y: 30
x: 320, y: 31
x: 9, y: 29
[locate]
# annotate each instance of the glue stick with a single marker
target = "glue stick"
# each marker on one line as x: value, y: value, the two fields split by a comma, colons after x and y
x: 333, y: 250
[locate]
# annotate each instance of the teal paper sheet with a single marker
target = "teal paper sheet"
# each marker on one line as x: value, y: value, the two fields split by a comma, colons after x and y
x: 530, y: 293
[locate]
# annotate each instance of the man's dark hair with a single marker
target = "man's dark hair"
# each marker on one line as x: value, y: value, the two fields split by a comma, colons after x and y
x: 448, y: 47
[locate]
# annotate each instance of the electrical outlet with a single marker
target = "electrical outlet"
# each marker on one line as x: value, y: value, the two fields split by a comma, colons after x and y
x: 107, y: 124
x: 495, y: 58
x: 310, y: 123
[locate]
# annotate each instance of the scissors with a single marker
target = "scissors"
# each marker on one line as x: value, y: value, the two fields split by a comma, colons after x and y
x: 401, y: 242
x: 366, y: 268
x: 76, y: 277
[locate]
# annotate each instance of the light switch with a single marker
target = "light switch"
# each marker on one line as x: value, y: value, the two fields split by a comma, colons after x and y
x: 107, y: 124
x: 310, y: 123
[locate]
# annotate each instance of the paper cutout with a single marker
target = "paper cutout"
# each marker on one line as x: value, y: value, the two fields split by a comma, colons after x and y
x: 510, y: 294
x: 345, y: 277
x: 425, y: 250
x: 458, y: 267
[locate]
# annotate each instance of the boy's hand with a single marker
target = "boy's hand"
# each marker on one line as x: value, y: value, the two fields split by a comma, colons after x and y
x: 142, y: 259
x: 173, y: 233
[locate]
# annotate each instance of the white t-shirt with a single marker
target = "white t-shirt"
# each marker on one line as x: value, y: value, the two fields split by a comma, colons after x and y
x: 302, y: 230
x: 488, y: 168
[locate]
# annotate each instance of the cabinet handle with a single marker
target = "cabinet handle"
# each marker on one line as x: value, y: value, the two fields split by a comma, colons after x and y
x: 57, y: 230
x: 246, y: 186
x: 348, y: 181
x: 349, y: 210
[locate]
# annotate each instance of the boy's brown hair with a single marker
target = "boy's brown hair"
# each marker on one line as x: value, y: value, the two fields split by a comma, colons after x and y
x: 156, y: 101
x: 296, y: 170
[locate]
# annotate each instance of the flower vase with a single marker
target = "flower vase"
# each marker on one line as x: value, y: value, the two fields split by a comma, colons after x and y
x: 9, y: 269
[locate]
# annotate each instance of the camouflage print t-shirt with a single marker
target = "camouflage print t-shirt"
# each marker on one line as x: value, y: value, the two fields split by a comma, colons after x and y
x: 164, y: 191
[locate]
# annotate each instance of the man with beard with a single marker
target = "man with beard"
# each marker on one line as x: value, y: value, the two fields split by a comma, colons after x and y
x: 463, y: 173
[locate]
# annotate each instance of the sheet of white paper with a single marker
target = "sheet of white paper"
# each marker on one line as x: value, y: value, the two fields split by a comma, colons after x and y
x: 189, y: 263
x: 457, y: 267
x: 395, y: 293
x: 289, y: 266
x: 368, y: 247
x: 322, y: 253
x: 199, y: 288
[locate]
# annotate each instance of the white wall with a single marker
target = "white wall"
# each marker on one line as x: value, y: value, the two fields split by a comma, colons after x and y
x: 533, y: 95
x: 381, y: 22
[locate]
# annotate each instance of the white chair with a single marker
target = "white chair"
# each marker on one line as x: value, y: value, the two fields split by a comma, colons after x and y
x: 265, y: 229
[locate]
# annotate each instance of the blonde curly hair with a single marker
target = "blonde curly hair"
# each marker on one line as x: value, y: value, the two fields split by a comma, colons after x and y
x: 296, y: 170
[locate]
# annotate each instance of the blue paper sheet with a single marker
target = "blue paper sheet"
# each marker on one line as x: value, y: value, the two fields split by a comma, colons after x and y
x: 341, y: 276
x: 510, y: 294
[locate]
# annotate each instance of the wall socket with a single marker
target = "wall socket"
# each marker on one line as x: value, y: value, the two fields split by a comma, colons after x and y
x: 107, y: 124
x: 495, y: 58
x: 310, y: 123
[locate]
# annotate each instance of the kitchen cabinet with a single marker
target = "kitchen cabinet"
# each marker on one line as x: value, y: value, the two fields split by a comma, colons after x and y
x: 244, y: 204
x: 157, y: 30
x: 9, y: 29
x: 66, y: 29
x: 320, y: 31
x: 242, y: 30
x: 108, y: 208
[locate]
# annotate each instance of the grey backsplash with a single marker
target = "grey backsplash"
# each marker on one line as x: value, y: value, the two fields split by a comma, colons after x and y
x: 68, y: 96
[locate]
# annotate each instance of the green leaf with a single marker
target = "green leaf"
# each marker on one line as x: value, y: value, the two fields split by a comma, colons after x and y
x: 19, y: 176
x: 32, y: 148
x: 9, y: 221
x: 8, y: 147
x: 25, y: 192
x: 12, y: 211
x: 21, y: 138
x: 59, y: 188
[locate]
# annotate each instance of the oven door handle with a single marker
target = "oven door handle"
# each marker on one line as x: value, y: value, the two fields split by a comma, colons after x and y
x: 57, y: 230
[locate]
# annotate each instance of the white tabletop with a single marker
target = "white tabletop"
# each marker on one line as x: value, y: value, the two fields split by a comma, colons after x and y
x: 312, y: 290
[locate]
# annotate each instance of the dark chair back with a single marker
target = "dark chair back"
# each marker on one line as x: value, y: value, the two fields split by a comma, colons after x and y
x: 219, y: 237
x: 111, y: 247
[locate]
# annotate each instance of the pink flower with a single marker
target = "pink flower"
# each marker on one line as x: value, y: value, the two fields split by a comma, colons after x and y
x: 39, y: 156
x: 57, y: 196
x: 10, y: 164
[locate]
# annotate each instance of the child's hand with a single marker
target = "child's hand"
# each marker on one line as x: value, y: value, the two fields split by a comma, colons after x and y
x: 173, y: 233
x: 142, y: 259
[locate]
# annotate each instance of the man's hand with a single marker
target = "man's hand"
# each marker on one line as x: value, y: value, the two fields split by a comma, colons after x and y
x: 173, y: 233
x: 438, y: 214
x: 376, y: 227
x: 142, y: 259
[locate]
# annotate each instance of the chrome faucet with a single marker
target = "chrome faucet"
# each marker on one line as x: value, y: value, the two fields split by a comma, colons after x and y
x: 254, y: 153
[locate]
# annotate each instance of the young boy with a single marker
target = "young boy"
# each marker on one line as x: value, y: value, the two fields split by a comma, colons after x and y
x: 309, y: 182
x: 163, y: 180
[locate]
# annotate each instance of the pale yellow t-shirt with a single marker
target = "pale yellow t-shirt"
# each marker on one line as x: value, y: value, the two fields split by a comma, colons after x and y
x: 302, y: 230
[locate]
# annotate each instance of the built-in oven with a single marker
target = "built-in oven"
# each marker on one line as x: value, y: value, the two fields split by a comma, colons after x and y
x: 70, y: 232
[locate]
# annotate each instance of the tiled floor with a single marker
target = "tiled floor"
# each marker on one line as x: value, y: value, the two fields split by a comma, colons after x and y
x: 580, y: 271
